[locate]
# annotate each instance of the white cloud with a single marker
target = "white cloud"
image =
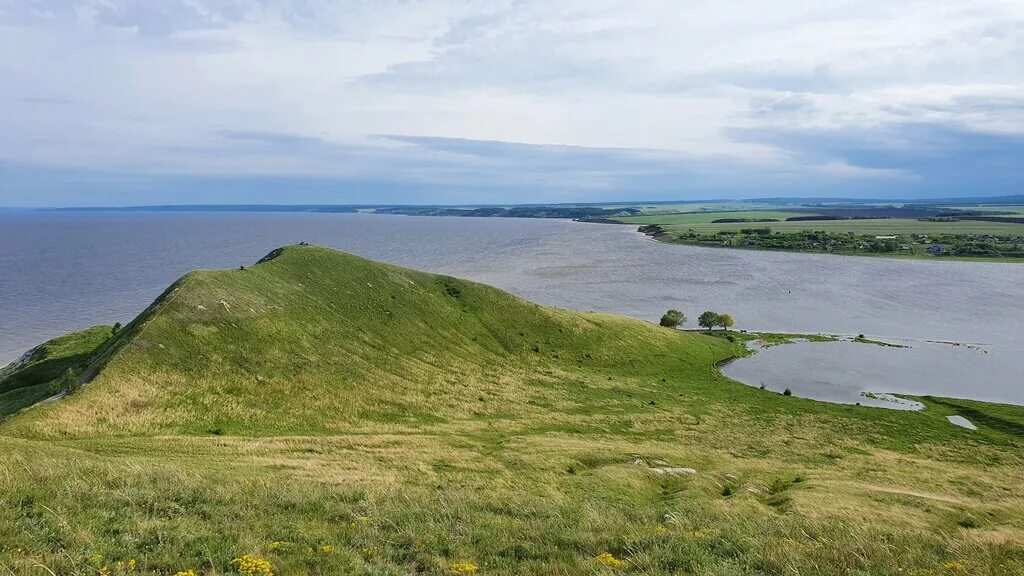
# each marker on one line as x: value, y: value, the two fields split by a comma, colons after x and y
x: 123, y: 85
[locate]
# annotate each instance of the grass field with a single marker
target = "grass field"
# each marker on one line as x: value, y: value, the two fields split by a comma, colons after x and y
x: 914, y: 234
x: 1007, y: 209
x: 702, y: 223
x: 330, y: 415
x: 706, y: 218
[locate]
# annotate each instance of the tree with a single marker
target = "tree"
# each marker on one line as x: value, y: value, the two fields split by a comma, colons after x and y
x: 708, y: 319
x: 70, y: 381
x: 725, y: 321
x: 116, y: 328
x: 673, y: 318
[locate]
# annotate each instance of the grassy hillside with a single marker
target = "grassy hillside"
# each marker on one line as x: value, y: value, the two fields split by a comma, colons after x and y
x: 33, y: 377
x: 327, y: 414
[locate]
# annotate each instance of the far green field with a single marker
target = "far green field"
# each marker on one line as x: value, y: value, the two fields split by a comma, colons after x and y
x: 917, y: 229
x: 887, y: 226
x: 1010, y: 209
x: 701, y: 218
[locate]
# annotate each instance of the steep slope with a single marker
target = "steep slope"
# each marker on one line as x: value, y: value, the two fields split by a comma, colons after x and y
x: 313, y: 340
x: 35, y: 375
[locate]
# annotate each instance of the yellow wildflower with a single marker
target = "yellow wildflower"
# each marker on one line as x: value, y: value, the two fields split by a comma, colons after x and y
x: 250, y: 565
x: 359, y: 520
x: 327, y: 549
x: 955, y: 566
x: 278, y: 545
x: 698, y: 535
x: 186, y: 573
x: 606, y: 559
x: 462, y: 567
x: 370, y: 553
x: 660, y: 530
x: 105, y: 571
x: 95, y: 559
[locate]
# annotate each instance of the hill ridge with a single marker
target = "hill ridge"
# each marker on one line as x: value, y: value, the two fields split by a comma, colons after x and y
x: 219, y: 351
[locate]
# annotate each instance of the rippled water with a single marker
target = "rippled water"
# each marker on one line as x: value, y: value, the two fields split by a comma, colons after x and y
x: 62, y: 271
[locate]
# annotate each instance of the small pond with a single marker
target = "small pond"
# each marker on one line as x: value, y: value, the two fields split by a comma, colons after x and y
x: 869, y: 374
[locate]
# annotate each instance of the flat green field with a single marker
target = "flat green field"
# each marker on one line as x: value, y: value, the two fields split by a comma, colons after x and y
x: 702, y: 218
x: 887, y: 226
x: 917, y: 229
x: 1011, y: 209
x: 320, y: 414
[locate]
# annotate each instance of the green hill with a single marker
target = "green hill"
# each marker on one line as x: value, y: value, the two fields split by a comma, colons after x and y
x: 314, y: 341
x: 37, y: 374
x: 328, y: 414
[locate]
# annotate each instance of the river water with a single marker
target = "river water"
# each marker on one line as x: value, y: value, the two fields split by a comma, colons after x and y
x: 65, y: 271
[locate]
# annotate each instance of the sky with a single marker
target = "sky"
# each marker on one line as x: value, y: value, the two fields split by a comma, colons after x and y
x: 129, y: 102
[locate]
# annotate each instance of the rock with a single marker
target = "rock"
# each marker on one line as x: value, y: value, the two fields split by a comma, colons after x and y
x: 732, y: 478
x: 673, y: 471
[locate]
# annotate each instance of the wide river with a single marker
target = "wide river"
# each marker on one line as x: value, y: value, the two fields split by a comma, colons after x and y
x: 64, y: 271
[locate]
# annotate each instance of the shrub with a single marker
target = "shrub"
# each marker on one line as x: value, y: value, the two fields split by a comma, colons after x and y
x: 69, y: 382
x: 787, y: 392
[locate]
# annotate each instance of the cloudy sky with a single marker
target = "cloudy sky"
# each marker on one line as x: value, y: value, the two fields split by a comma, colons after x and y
x: 112, y: 102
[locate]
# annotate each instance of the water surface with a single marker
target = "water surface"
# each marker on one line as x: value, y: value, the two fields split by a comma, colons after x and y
x: 64, y: 271
x: 859, y: 373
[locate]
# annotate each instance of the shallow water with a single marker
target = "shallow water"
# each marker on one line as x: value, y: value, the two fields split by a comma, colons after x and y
x: 64, y: 271
x: 852, y: 372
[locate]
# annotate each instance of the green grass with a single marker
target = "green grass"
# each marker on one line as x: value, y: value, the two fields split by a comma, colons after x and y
x: 378, y: 420
x: 1008, y: 209
x: 701, y: 220
x: 28, y: 380
x: 854, y: 236
x: 881, y: 226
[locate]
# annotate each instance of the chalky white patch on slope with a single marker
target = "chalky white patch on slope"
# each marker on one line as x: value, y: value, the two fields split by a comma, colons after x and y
x: 962, y: 422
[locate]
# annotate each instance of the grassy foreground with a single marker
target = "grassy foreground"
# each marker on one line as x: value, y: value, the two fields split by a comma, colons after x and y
x: 323, y: 414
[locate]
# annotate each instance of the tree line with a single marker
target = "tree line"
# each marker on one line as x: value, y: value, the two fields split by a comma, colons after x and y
x: 709, y: 319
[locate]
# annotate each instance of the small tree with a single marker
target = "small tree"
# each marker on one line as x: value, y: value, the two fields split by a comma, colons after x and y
x: 673, y: 318
x: 708, y: 319
x: 725, y: 321
x: 116, y: 328
x: 70, y: 381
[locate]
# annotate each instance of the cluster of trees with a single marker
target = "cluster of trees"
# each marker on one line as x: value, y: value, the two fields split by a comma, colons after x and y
x: 709, y: 319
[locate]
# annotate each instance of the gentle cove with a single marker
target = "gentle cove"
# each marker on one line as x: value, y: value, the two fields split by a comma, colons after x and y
x: 65, y: 271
